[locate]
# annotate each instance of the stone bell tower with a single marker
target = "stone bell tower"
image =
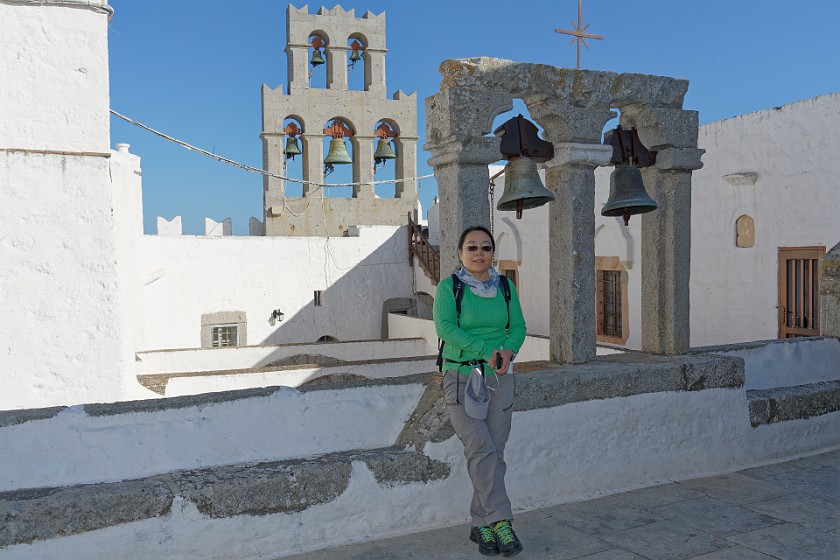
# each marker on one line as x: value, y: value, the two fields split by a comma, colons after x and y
x: 340, y: 36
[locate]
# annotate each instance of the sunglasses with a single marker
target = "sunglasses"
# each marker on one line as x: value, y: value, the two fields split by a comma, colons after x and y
x: 474, y: 248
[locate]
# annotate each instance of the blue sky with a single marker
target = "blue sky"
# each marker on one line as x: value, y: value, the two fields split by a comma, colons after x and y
x: 194, y: 70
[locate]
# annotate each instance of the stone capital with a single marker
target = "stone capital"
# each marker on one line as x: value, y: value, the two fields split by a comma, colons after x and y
x: 573, y: 153
x: 686, y: 159
x: 481, y: 150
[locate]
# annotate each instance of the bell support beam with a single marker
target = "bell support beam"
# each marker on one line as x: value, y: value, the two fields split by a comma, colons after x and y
x: 571, y: 250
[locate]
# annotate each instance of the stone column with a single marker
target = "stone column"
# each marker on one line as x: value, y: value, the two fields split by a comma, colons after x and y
x: 363, y: 166
x: 830, y: 293
x: 463, y: 184
x: 313, y: 159
x: 337, y: 66
x: 297, y: 67
x: 375, y: 71
x: 571, y: 249
x: 405, y: 166
x: 666, y: 232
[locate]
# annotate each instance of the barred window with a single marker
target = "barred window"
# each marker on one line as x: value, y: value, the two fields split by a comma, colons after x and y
x: 223, y: 336
x: 611, y: 302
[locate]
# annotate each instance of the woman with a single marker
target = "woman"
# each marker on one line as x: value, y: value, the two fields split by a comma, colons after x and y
x: 478, y: 338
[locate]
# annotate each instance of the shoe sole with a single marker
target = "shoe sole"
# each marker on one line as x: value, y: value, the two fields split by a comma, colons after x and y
x: 513, y: 552
x: 485, y: 551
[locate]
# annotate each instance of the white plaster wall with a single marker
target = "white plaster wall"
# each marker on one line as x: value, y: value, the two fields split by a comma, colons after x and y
x: 60, y: 323
x: 174, y: 361
x: 54, y: 85
x: 190, y: 276
x: 75, y: 448
x: 785, y: 363
x: 794, y: 202
x: 555, y: 455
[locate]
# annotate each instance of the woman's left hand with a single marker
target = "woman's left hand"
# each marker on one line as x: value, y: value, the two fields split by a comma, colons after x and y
x: 507, y: 356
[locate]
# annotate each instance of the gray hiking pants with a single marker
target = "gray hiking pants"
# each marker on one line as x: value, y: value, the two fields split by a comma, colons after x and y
x: 484, y: 445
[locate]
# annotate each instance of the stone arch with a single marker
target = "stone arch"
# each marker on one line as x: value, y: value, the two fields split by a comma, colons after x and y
x: 295, y: 117
x: 355, y: 74
x: 327, y: 53
x: 517, y: 239
x: 327, y: 338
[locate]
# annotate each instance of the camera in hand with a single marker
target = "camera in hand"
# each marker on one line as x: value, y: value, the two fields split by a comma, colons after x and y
x: 498, y: 361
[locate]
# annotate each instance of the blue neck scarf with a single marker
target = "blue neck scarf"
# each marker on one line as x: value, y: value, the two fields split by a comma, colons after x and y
x: 486, y: 288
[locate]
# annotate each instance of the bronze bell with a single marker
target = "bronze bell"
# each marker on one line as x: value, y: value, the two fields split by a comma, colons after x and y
x: 627, y: 194
x: 355, y: 56
x: 338, y: 152
x: 383, y: 151
x: 292, y: 147
x: 523, y: 187
x: 317, y: 58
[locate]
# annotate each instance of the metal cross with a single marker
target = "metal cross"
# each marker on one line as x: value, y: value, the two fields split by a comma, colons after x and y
x: 580, y: 36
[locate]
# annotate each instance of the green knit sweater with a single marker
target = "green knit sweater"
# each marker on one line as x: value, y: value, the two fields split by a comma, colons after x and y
x: 482, y: 325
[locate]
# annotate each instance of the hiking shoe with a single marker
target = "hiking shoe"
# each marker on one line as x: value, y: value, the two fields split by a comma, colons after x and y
x: 486, y: 539
x: 509, y: 543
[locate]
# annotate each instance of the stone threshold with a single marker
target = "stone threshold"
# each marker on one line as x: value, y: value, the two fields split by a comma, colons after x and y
x: 798, y: 402
x: 219, y: 492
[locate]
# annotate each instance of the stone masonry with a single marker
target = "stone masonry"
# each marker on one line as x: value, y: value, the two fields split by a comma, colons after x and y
x: 573, y: 107
x: 830, y: 293
x: 312, y: 108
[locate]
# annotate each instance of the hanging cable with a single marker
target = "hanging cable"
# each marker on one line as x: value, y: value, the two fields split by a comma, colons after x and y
x: 261, y: 171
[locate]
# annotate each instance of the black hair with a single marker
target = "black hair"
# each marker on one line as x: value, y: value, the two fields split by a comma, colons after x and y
x: 476, y: 228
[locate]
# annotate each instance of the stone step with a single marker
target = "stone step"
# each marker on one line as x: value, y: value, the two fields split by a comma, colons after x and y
x: 768, y: 406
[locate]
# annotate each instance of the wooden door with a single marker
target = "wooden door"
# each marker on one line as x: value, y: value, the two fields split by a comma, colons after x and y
x: 799, y: 291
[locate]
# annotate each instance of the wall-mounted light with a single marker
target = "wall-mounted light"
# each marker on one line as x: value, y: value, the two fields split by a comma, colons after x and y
x: 277, y: 315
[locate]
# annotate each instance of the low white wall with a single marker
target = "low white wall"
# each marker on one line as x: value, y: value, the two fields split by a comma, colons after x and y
x: 75, y: 448
x: 215, y: 359
x: 194, y: 385
x: 783, y: 363
x: 555, y: 455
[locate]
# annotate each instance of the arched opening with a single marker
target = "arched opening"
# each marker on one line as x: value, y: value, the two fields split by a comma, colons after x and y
x: 356, y: 61
x: 327, y: 338
x: 385, y: 157
x: 293, y: 147
x: 339, y: 154
x: 319, y: 59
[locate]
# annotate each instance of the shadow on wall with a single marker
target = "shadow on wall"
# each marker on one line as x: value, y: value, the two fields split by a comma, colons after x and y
x: 355, y: 305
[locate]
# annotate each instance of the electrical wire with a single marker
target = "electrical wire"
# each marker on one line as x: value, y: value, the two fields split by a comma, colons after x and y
x: 261, y: 171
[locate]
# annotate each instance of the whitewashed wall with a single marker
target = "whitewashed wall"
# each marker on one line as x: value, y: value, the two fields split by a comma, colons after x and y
x: 60, y: 311
x: 54, y: 85
x: 795, y: 202
x: 189, y: 276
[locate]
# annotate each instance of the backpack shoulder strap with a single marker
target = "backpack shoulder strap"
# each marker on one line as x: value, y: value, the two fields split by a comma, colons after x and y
x: 458, y: 293
x: 505, y: 285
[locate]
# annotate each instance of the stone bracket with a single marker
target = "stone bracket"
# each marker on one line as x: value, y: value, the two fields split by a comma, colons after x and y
x: 686, y: 159
x: 572, y: 153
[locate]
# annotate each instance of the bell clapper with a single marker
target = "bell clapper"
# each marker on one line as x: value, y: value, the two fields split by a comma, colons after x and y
x: 626, y: 215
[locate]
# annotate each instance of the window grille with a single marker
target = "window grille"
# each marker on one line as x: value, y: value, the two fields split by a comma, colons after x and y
x: 317, y: 298
x: 511, y: 275
x: 611, y: 280
x: 224, y: 336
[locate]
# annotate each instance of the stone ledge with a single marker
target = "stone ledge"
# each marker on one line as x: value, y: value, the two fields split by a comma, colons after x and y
x: 39, y: 514
x: 768, y: 406
x: 13, y: 417
x: 226, y: 491
x: 546, y: 384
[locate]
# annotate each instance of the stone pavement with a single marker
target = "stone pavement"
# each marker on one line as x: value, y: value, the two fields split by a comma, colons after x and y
x: 787, y: 511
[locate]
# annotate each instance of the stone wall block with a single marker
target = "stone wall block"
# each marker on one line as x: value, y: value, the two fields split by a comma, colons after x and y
x: 563, y: 122
x: 662, y: 127
x: 680, y: 158
x: 656, y: 91
x: 462, y: 114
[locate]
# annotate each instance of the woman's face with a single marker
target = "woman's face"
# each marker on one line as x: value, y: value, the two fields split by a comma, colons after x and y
x: 476, y: 254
